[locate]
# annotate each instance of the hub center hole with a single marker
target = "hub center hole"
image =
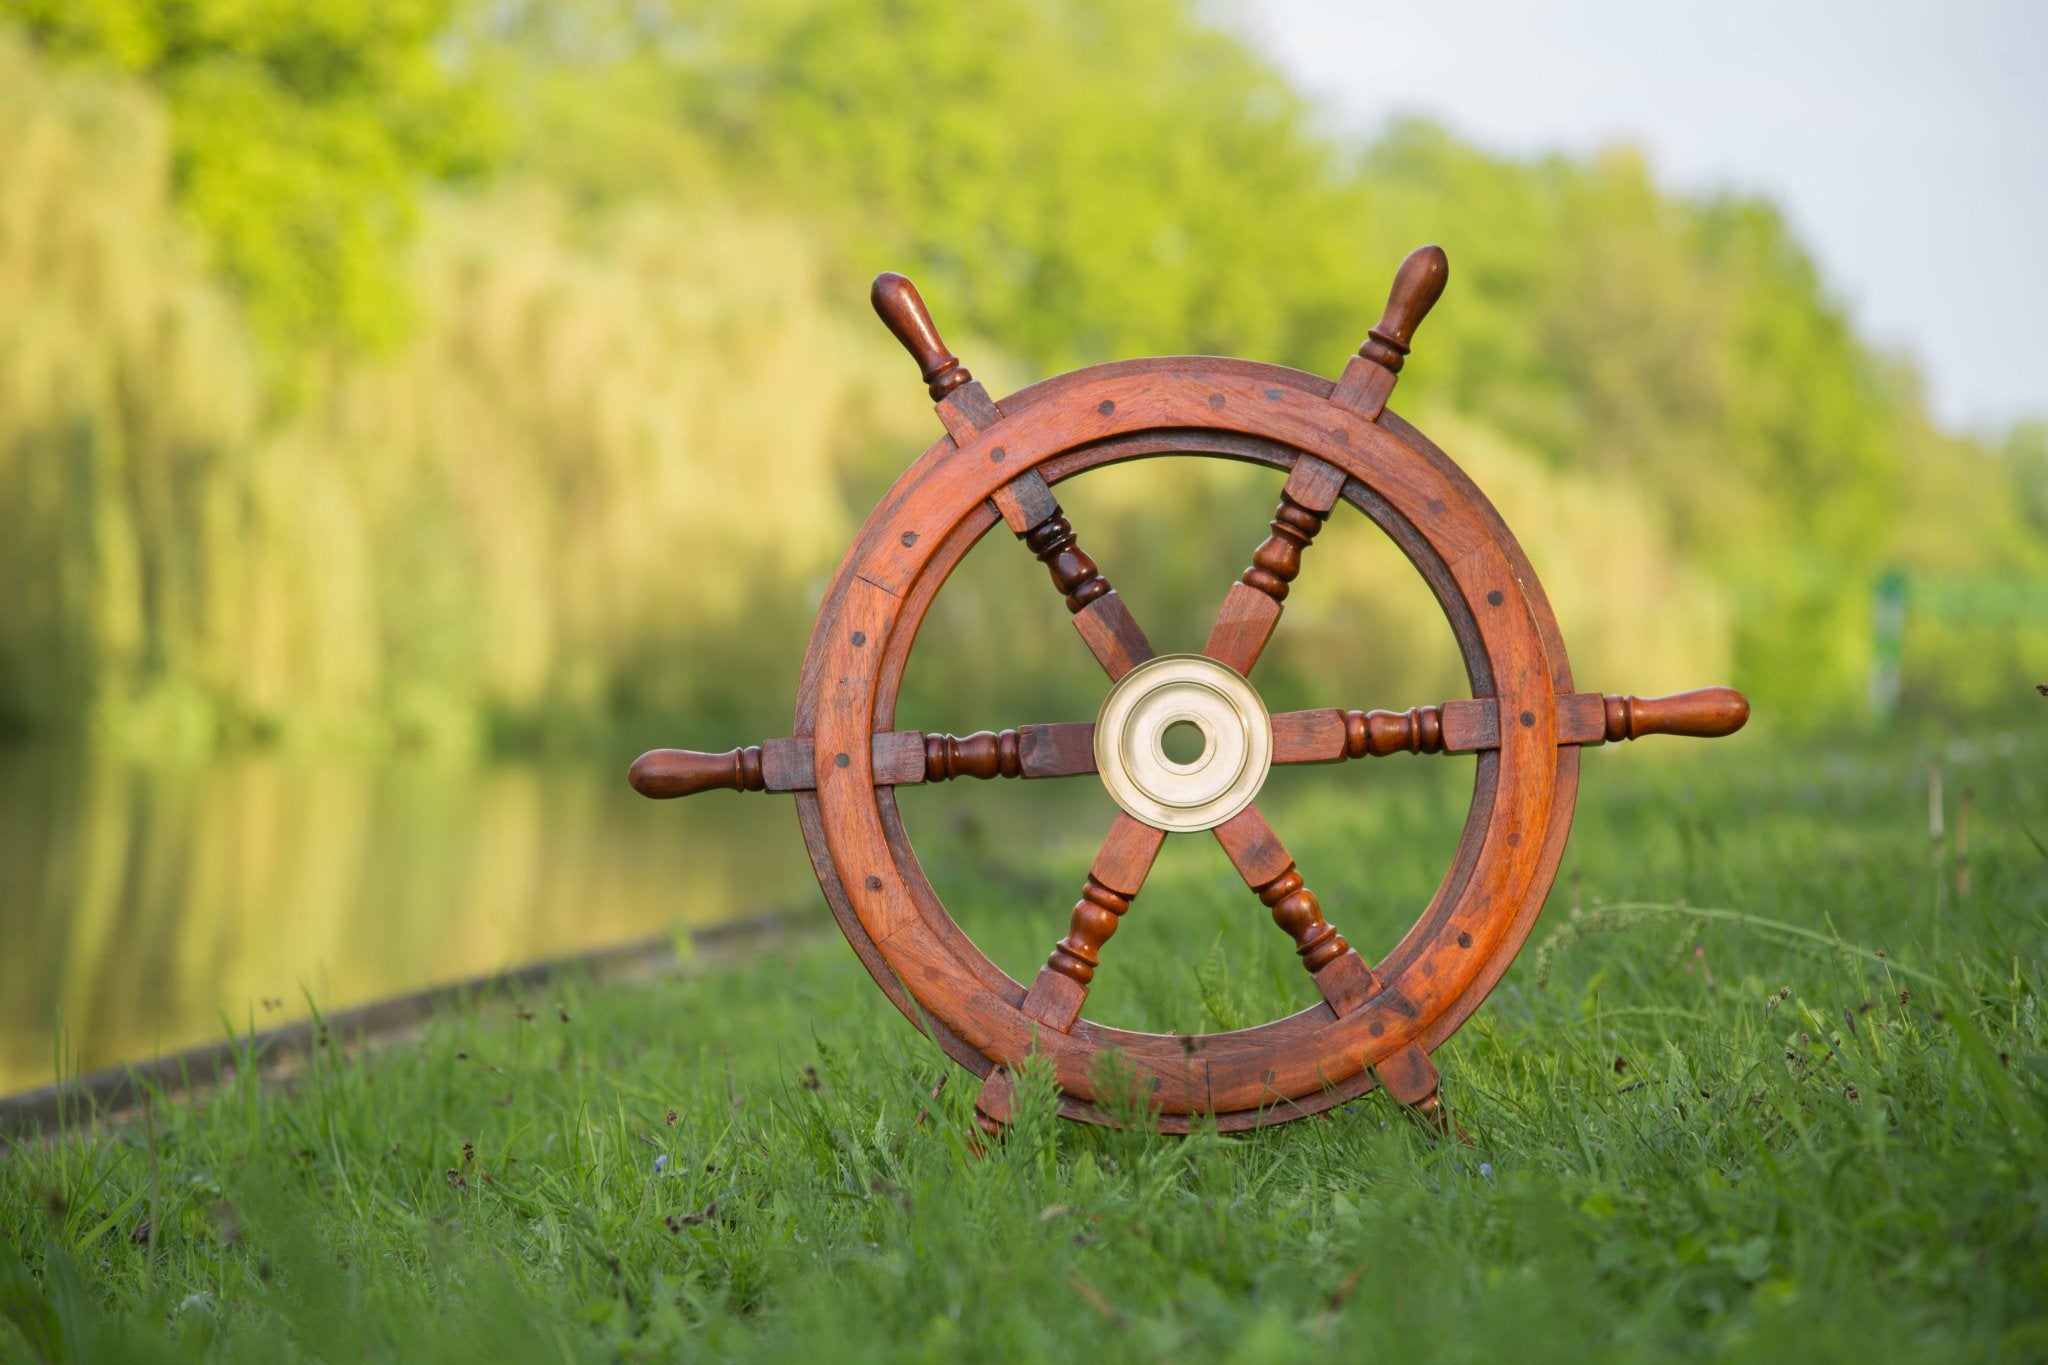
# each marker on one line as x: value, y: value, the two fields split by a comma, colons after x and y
x: 1183, y: 741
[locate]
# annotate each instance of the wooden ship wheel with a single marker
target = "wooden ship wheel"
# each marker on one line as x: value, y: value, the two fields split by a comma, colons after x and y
x: 1377, y: 1022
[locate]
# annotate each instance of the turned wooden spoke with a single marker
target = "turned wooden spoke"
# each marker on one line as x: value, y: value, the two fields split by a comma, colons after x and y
x: 983, y: 754
x: 1112, y: 635
x: 1026, y: 502
x: 1252, y: 607
x: 898, y: 757
x: 1330, y: 736
x: 1268, y: 869
x: 1113, y: 882
x: 1457, y: 727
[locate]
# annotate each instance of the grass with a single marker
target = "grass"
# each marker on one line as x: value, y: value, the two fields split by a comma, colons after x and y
x: 1767, y: 1082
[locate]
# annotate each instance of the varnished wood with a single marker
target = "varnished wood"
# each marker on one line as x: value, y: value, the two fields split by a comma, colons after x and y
x: 1113, y: 882
x: 1411, y: 1078
x: 1456, y: 727
x: 1242, y: 627
x: 1100, y: 614
x: 1297, y: 911
x: 898, y: 758
x: 1277, y: 562
x: 1346, y: 982
x: 1073, y: 573
x: 667, y: 773
x: 983, y: 754
x: 1062, y: 750
x: 1379, y: 733
x: 1268, y: 869
x: 1368, y: 381
x: 1252, y: 607
x: 1704, y: 713
x: 1025, y: 502
x: 1409, y: 1075
x: 1112, y: 636
x: 902, y: 311
x: 1001, y: 462
x: 1418, y: 284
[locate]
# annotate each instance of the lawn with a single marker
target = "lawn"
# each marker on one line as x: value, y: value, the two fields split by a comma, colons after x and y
x: 1768, y: 1083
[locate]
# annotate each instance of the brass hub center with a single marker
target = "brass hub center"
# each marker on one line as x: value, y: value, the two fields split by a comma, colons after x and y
x: 1237, y: 742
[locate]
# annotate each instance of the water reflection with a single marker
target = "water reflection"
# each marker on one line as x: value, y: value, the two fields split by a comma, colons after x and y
x: 139, y: 905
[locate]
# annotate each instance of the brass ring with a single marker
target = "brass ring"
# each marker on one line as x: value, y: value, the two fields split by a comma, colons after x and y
x: 1237, y: 742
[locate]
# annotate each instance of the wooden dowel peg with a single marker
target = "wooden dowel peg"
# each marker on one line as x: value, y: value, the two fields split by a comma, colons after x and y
x: 902, y: 310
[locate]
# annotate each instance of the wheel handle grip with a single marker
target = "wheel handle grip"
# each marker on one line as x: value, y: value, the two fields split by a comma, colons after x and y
x: 666, y: 773
x: 902, y: 311
x: 1418, y: 284
x: 1703, y: 713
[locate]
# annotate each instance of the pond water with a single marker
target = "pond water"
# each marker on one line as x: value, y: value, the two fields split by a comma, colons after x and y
x: 144, y: 909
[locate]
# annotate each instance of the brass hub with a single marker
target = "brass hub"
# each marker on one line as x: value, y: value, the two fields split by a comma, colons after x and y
x: 1237, y: 742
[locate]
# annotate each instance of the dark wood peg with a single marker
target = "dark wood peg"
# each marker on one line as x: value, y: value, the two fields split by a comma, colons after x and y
x: 664, y: 773
x: 902, y: 310
x: 1418, y: 284
x: 1704, y: 713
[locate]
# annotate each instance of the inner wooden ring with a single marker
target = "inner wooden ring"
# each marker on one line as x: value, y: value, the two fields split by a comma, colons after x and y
x: 1292, y: 1066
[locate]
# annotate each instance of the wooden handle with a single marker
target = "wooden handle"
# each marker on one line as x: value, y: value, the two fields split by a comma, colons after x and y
x: 665, y: 773
x: 1418, y: 284
x: 902, y: 311
x: 1703, y: 713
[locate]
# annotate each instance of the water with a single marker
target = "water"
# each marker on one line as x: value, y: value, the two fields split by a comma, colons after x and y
x: 149, y: 908
x: 143, y: 906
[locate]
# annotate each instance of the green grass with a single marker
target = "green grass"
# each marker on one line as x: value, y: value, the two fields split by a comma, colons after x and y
x: 1773, y: 1090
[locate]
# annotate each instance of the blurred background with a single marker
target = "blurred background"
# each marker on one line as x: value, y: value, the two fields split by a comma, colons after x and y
x: 410, y: 411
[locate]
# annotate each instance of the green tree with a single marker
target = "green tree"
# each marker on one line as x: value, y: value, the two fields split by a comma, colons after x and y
x: 300, y: 135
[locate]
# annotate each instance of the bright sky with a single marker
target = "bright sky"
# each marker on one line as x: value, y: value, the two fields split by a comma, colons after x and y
x: 1906, y: 143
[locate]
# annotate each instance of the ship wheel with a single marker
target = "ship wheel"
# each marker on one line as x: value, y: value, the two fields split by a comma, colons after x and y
x: 1377, y: 1022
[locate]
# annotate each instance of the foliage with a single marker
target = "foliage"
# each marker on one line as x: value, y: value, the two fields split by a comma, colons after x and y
x: 300, y: 134
x: 490, y: 529
x: 1791, y: 1107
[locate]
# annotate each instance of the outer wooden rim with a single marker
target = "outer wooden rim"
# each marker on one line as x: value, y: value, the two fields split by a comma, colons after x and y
x: 1523, y: 791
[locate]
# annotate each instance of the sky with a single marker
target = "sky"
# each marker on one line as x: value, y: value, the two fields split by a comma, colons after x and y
x: 1906, y: 144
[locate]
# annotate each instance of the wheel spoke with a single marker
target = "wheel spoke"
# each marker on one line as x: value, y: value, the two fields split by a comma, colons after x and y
x: 1114, y: 881
x: 1331, y: 735
x: 1467, y: 724
x: 1268, y: 869
x: 1252, y: 607
x: 1106, y: 625
x: 899, y: 758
